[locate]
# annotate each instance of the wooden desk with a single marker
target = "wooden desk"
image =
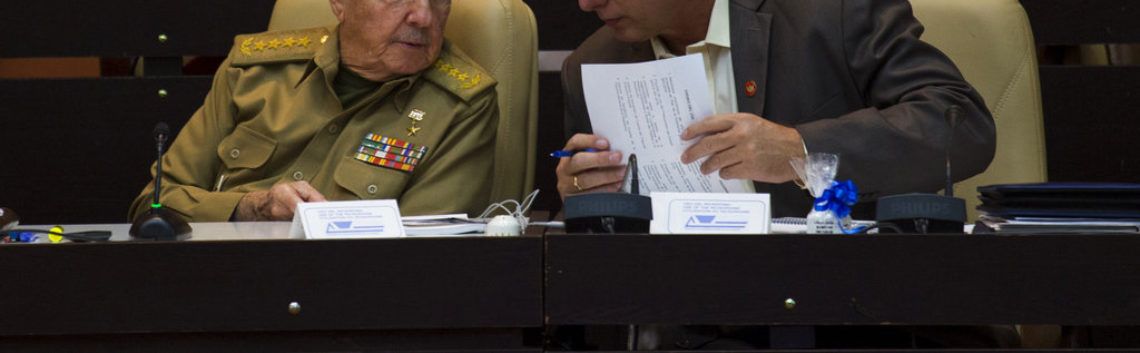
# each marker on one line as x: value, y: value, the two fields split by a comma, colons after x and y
x: 897, y: 279
x: 359, y: 295
x: 841, y: 280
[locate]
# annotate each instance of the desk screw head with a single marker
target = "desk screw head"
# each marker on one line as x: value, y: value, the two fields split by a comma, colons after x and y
x: 162, y: 93
x: 294, y: 308
x: 162, y: 38
x: 789, y: 303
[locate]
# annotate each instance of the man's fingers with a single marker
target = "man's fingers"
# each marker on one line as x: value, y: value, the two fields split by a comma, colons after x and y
x: 720, y: 161
x: 709, y: 125
x: 597, y: 178
x: 592, y: 160
x: 584, y: 141
x: 285, y: 204
x: 306, y: 192
x: 705, y: 147
x: 736, y: 171
x: 612, y: 187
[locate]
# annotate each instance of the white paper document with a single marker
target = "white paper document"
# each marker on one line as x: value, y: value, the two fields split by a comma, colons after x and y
x: 347, y: 220
x: 686, y: 213
x: 642, y: 108
x: 443, y: 225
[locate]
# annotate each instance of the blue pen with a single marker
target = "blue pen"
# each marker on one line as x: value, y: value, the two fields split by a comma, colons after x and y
x: 565, y: 153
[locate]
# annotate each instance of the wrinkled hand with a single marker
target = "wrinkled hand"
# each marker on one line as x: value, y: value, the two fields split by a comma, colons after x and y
x: 744, y: 146
x: 585, y: 172
x: 277, y: 203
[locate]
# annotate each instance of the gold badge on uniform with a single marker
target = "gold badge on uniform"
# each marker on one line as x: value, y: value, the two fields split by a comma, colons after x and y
x: 390, y: 153
x: 415, y: 116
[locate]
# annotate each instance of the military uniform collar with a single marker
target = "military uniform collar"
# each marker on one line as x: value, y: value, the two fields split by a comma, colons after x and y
x: 327, y: 59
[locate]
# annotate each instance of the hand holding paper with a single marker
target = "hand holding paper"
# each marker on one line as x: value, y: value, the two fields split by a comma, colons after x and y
x: 643, y: 108
x: 744, y: 146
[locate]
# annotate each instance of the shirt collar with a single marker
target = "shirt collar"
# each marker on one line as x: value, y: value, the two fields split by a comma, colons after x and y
x: 717, y: 34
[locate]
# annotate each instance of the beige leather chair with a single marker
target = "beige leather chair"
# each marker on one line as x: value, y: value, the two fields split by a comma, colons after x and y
x: 501, y: 35
x: 992, y: 43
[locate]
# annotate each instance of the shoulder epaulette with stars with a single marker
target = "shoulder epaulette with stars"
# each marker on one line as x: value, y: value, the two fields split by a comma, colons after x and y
x: 458, y: 73
x: 278, y: 46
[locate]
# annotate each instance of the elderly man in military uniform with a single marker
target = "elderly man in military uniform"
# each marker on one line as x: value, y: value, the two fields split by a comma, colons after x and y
x: 379, y: 106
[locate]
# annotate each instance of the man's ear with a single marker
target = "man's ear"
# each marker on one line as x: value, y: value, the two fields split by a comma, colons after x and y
x: 338, y: 9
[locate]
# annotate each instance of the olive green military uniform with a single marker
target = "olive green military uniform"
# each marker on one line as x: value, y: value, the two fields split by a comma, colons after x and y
x: 272, y: 116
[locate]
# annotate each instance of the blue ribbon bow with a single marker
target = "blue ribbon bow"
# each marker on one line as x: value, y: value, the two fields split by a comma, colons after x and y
x: 838, y: 198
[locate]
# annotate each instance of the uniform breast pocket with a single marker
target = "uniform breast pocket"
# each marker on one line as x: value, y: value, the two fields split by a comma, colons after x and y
x: 244, y: 153
x: 369, y: 182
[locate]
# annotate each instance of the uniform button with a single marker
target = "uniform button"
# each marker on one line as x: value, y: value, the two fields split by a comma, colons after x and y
x: 235, y: 153
x: 334, y: 129
x: 297, y: 175
x: 372, y: 189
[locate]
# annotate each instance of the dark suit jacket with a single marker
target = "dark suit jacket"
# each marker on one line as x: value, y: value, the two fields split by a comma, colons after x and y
x: 852, y: 77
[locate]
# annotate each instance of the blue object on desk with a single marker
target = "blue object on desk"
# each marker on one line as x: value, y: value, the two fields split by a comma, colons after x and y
x: 565, y: 153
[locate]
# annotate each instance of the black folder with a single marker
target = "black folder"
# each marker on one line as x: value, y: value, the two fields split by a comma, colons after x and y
x: 1075, y: 200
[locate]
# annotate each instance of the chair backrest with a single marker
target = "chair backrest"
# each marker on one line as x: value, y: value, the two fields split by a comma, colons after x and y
x: 502, y: 36
x: 992, y: 43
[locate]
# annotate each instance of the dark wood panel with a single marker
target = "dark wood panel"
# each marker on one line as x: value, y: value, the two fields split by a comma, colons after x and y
x: 745, y: 280
x: 1067, y: 22
x: 79, y: 151
x: 115, y: 28
x: 917, y: 350
x: 432, y: 341
x: 1091, y: 122
x: 246, y: 286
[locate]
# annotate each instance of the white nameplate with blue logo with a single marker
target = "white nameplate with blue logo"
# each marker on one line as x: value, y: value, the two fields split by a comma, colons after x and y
x: 690, y: 213
x: 347, y: 220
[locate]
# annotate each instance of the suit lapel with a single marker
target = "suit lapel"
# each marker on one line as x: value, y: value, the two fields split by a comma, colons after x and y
x: 750, y: 36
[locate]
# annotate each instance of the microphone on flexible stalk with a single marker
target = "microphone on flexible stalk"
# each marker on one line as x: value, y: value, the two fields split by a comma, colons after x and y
x: 926, y: 213
x: 952, y: 118
x: 610, y: 212
x: 159, y: 223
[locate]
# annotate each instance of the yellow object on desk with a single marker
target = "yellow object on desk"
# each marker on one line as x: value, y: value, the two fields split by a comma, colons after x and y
x: 56, y: 234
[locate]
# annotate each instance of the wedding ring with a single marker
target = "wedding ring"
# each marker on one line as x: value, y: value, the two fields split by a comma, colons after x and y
x: 576, y: 186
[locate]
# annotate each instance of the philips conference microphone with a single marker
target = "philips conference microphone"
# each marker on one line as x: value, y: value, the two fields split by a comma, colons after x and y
x: 159, y: 223
x: 926, y: 213
x: 610, y: 212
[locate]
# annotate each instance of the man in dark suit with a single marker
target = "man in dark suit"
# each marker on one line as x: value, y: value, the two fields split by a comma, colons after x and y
x: 791, y: 77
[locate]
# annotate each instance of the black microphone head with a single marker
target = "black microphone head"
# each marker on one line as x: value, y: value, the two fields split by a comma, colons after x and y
x: 952, y: 115
x: 161, y: 131
x: 635, y: 182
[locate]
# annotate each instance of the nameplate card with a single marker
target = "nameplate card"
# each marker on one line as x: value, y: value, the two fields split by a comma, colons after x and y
x: 347, y: 220
x: 710, y: 213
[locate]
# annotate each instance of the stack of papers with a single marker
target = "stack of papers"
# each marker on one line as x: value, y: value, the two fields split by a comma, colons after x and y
x: 449, y: 224
x: 1077, y: 208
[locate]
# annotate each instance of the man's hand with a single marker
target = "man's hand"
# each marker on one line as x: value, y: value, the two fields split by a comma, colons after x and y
x: 600, y: 171
x: 277, y: 203
x: 744, y: 146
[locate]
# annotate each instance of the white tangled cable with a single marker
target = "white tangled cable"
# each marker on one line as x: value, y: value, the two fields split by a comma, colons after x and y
x: 518, y: 214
